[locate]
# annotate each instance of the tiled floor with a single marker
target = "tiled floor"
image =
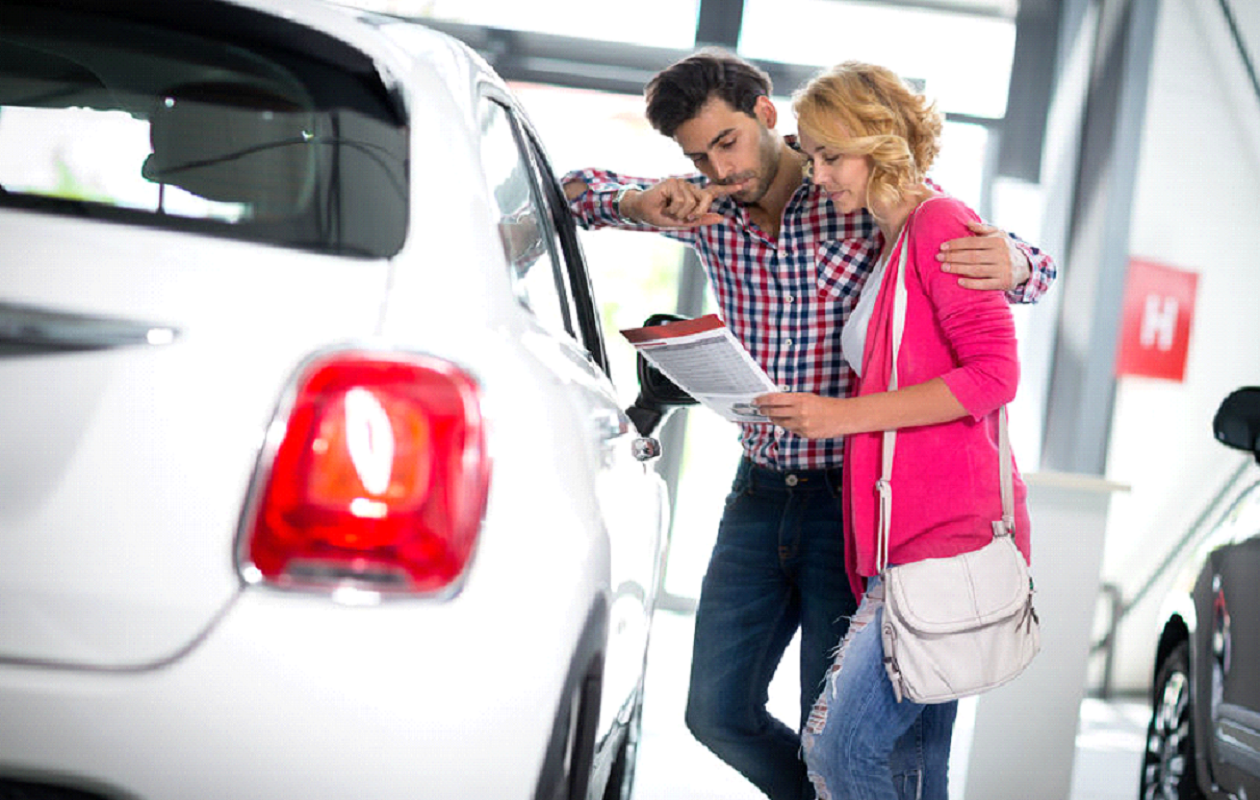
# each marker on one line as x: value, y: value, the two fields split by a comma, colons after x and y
x: 673, y: 766
x: 1109, y: 748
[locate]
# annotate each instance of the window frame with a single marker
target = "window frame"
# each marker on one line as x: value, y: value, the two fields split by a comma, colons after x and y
x: 572, y: 277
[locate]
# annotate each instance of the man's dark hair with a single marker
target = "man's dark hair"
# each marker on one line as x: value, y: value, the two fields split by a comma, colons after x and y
x: 677, y: 93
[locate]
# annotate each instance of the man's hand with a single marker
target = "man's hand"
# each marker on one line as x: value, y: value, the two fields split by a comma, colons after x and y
x: 675, y: 203
x: 988, y: 260
x: 805, y: 414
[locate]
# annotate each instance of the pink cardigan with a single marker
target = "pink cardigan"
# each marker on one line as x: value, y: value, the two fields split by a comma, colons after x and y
x: 945, y: 477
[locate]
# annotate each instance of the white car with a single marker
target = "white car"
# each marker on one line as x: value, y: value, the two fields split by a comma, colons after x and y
x: 313, y: 483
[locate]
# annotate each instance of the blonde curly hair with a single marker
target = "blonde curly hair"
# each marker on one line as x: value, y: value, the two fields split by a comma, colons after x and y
x: 862, y: 109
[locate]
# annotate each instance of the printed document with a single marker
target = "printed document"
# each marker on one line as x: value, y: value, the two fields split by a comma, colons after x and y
x: 705, y: 359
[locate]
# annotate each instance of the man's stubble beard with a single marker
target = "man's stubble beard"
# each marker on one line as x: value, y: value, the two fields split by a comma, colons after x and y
x: 768, y: 170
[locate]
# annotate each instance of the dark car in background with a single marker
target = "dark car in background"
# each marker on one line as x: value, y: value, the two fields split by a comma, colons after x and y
x: 1203, y: 740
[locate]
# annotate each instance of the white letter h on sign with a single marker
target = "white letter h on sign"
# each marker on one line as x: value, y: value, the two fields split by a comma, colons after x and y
x: 1159, y: 321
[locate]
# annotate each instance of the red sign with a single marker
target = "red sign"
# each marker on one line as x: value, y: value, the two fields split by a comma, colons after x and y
x: 1155, y: 326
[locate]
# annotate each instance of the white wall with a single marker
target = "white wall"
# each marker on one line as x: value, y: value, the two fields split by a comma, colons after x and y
x: 1196, y: 207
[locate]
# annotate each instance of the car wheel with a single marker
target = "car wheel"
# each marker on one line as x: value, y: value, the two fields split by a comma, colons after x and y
x: 1168, y: 768
x: 621, y: 778
x: 567, y: 764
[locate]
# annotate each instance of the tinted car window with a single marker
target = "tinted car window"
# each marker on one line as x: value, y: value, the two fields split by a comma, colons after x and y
x: 528, y: 241
x: 159, y: 122
x: 582, y: 304
x: 572, y: 275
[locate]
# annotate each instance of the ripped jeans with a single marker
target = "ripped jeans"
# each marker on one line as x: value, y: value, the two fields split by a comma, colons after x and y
x: 856, y: 721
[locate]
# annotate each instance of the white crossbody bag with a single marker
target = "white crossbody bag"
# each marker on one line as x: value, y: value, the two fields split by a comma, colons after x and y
x: 955, y: 626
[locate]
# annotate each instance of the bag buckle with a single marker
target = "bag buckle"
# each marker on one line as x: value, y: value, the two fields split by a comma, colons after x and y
x: 1004, y: 526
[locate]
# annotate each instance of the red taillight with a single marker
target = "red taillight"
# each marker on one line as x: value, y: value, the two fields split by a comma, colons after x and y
x: 381, y: 477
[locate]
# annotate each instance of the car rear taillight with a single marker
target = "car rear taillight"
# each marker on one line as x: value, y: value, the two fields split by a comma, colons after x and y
x: 380, y: 479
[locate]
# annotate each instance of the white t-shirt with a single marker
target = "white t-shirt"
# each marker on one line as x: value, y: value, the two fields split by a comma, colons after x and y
x: 853, y: 334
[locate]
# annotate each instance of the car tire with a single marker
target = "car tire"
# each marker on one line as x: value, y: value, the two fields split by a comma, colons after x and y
x: 621, y: 777
x: 573, y: 742
x: 1168, y: 766
x: 566, y: 767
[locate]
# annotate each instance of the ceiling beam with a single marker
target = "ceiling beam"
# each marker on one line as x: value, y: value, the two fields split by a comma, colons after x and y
x: 719, y: 23
x: 585, y: 63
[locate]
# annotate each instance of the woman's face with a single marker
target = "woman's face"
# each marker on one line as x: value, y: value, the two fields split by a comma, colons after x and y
x: 842, y: 177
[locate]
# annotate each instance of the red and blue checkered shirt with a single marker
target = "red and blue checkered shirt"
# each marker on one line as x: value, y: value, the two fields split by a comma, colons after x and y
x: 786, y: 300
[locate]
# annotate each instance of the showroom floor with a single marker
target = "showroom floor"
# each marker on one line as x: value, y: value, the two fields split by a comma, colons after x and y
x: 673, y: 766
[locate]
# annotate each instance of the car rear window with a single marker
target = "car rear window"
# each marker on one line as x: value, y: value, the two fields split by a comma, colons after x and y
x: 200, y: 116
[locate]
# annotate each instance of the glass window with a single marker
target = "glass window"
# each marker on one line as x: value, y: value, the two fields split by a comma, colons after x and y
x: 964, y: 60
x: 524, y: 228
x: 174, y: 122
x: 636, y: 274
x: 574, y: 278
x: 960, y: 166
x: 633, y: 274
x: 659, y: 23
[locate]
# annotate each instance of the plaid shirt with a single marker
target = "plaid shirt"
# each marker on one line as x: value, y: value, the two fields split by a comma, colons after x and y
x: 786, y: 300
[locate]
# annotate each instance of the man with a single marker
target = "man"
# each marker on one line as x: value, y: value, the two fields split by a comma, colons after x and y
x: 785, y: 268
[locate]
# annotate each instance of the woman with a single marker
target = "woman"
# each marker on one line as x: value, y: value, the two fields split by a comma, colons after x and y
x: 870, y: 141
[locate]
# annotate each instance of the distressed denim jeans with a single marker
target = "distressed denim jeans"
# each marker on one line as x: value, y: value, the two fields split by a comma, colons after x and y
x: 777, y: 564
x: 857, y: 724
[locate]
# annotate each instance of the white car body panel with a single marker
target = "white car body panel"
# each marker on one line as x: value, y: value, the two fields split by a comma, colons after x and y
x: 95, y: 439
x: 136, y: 658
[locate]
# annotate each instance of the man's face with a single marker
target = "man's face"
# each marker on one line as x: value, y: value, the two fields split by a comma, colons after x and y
x: 730, y: 147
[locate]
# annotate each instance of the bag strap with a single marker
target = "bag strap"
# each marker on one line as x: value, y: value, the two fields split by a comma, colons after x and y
x: 1006, y: 526
x: 884, y: 485
x: 1002, y: 527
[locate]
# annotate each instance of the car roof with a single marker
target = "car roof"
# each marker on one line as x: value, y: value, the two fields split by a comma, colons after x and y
x: 351, y: 38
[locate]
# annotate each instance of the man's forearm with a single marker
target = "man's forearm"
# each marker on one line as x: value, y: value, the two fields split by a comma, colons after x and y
x: 592, y: 197
x: 1021, y: 267
x: 574, y: 188
x: 625, y: 203
x: 1040, y: 275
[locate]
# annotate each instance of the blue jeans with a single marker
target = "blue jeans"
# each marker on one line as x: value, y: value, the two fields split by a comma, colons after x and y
x: 857, y: 723
x: 778, y: 564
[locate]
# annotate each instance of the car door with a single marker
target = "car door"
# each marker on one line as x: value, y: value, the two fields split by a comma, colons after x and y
x: 1229, y: 609
x: 550, y: 278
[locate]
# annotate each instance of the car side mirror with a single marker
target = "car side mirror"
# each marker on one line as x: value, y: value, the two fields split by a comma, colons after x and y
x: 1237, y: 421
x: 658, y: 395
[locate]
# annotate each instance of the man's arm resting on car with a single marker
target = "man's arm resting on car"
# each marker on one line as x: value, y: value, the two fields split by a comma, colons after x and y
x: 669, y: 203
